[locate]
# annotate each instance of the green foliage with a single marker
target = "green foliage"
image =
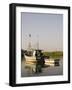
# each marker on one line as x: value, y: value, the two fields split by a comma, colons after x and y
x: 55, y: 54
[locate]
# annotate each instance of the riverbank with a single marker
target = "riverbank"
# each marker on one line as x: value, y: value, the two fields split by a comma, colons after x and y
x: 53, y: 54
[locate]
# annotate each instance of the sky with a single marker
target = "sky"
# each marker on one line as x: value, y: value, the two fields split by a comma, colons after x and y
x: 45, y: 28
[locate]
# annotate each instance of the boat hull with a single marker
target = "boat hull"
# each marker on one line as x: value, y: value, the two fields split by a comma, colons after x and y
x: 30, y: 58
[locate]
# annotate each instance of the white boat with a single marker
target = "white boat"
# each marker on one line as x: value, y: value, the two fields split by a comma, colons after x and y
x: 52, y: 62
x: 31, y: 58
x: 49, y: 62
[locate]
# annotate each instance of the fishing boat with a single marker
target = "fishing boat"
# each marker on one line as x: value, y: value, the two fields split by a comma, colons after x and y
x: 36, y: 56
x: 31, y: 57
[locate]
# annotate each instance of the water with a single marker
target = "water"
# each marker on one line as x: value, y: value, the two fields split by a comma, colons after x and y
x: 28, y: 70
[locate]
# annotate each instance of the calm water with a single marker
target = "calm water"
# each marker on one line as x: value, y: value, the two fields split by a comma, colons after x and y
x: 28, y: 70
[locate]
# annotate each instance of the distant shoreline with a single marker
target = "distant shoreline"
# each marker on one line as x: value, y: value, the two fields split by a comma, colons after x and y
x: 54, y: 54
x: 50, y: 54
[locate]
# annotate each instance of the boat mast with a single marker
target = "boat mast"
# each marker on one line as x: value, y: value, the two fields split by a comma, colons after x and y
x: 37, y: 42
x: 29, y: 45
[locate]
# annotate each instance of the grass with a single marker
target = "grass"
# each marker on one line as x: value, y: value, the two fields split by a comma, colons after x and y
x: 54, y: 54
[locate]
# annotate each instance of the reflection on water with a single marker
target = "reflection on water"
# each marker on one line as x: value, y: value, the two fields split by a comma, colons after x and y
x: 29, y: 69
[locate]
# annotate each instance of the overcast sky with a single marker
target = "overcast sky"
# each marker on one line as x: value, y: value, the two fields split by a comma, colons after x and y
x: 47, y: 28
